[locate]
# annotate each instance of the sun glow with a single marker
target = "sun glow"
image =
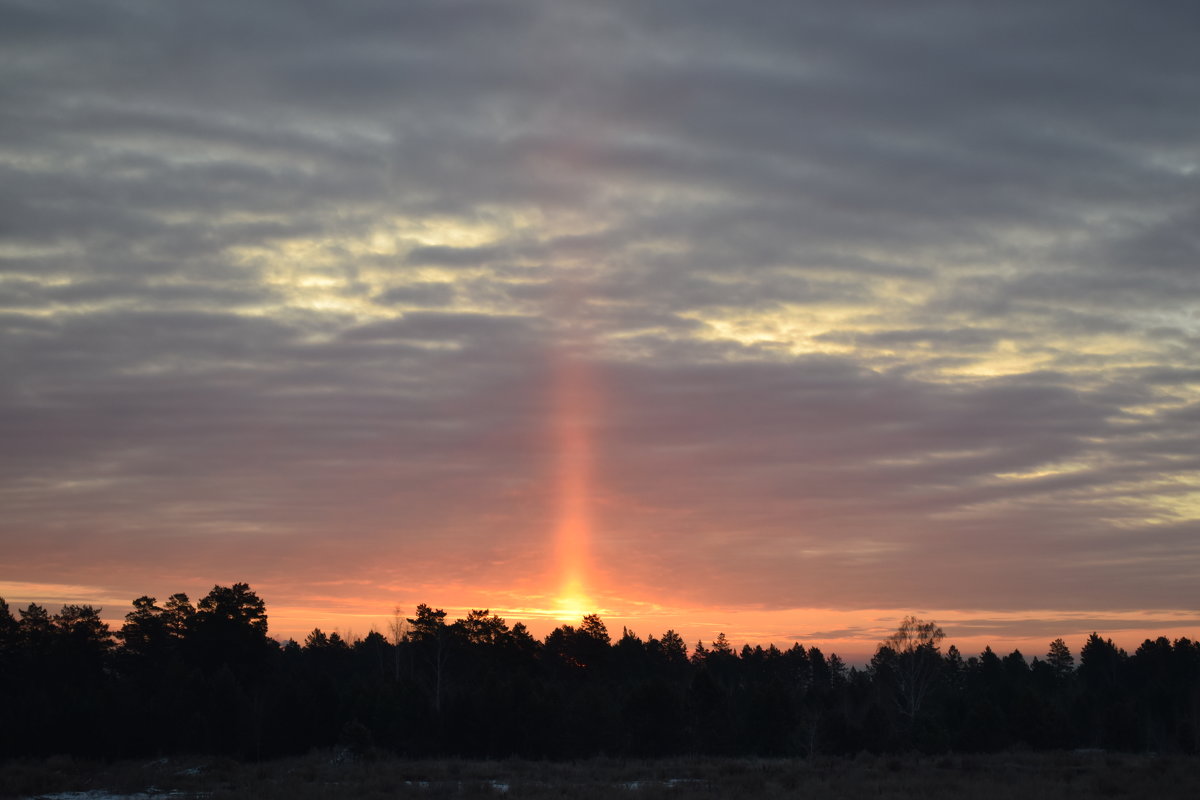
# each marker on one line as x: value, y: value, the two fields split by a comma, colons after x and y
x: 571, y: 606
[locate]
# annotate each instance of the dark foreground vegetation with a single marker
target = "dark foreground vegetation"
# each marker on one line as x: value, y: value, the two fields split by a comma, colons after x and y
x: 184, y: 679
x: 326, y: 774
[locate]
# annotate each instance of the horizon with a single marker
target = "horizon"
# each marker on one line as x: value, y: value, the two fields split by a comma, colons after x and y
x: 855, y: 647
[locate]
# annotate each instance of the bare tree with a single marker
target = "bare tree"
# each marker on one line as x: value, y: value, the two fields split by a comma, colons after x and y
x: 398, y: 626
x: 916, y: 662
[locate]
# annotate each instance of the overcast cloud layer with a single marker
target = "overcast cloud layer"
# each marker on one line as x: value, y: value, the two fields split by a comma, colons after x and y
x: 874, y: 306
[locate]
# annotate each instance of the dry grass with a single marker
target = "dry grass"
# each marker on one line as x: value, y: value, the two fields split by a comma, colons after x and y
x: 1029, y: 776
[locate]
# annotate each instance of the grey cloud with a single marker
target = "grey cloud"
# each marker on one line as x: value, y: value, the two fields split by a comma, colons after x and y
x: 1168, y: 376
x: 453, y: 256
x: 432, y: 325
x: 1065, y: 626
x: 28, y: 294
x: 839, y: 633
x: 969, y: 338
x: 1170, y: 246
x: 425, y: 294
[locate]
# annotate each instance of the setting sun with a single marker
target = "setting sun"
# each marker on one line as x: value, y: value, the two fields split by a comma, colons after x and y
x: 572, y: 606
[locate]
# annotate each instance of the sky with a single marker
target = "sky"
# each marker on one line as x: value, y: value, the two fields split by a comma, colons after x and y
x: 784, y: 320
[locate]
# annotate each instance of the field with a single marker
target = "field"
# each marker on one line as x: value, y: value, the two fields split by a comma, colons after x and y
x: 1028, y: 776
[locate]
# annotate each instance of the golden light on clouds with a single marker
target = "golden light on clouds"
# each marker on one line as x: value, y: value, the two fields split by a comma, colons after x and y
x: 794, y: 328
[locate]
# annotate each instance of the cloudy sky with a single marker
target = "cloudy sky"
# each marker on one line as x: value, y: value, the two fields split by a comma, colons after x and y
x: 784, y: 319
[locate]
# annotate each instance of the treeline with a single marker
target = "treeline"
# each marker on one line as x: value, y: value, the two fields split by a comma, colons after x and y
x: 206, y: 678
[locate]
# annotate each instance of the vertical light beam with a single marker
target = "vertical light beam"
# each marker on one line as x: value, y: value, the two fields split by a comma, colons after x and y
x: 574, y: 406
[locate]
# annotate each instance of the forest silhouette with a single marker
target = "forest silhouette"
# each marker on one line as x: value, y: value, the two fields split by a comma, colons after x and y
x: 206, y: 678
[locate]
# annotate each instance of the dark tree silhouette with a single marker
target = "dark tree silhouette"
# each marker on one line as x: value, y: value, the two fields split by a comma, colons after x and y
x: 207, y: 679
x: 1060, y: 659
x: 144, y: 634
x: 434, y: 641
x: 229, y: 630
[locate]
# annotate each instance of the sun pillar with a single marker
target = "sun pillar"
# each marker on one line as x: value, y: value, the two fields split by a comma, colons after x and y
x: 574, y: 406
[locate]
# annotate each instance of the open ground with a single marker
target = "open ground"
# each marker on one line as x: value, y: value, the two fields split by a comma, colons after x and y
x: 339, y: 774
